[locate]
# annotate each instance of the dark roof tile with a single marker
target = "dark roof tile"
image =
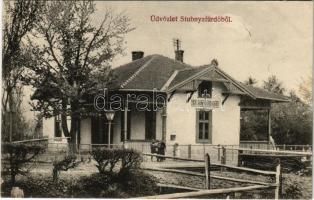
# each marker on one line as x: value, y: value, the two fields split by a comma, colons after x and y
x: 260, y: 93
x: 147, y: 73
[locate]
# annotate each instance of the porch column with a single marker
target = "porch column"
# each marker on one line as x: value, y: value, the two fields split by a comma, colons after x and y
x: 269, y: 125
x: 125, y: 131
x: 164, y: 123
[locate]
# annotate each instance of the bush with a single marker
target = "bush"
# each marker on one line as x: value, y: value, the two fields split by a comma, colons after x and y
x: 292, y: 189
x: 40, y: 186
x: 116, y: 185
x: 17, y: 156
x: 119, y: 177
x: 137, y: 183
x: 68, y: 162
x: 92, y: 186
x: 109, y: 159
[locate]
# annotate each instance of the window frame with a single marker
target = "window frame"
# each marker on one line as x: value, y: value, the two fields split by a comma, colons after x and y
x: 57, y: 123
x: 205, y: 85
x: 204, y: 121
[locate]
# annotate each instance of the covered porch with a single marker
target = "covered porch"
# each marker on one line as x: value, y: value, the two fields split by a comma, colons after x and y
x: 136, y: 118
x: 261, y: 109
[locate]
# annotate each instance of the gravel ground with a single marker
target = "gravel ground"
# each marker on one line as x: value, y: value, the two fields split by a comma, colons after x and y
x: 304, y: 182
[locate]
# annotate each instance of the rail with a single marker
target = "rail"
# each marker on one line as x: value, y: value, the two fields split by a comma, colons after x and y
x: 270, y: 151
x: 207, y: 191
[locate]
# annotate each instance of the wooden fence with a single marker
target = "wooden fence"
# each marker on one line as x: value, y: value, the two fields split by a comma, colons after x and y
x: 265, y: 145
x: 257, y: 185
x: 189, y: 151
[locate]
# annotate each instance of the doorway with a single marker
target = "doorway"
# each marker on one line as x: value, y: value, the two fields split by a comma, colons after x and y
x: 100, y: 130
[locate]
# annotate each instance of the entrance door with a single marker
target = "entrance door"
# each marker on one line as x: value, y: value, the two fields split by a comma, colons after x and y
x: 100, y: 130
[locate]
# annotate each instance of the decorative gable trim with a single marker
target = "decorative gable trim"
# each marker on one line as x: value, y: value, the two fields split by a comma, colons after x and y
x: 217, y: 75
x: 166, y: 85
x: 213, y: 76
x: 235, y: 83
x: 190, y: 78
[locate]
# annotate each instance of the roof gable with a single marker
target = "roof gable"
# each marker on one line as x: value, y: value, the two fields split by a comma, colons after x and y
x: 166, y: 74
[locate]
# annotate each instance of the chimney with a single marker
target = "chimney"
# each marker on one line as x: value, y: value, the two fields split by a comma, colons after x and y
x: 179, y: 55
x: 137, y: 55
x: 214, y: 62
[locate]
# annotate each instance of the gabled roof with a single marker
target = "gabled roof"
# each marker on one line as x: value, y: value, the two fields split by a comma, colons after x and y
x: 148, y: 73
x: 166, y: 74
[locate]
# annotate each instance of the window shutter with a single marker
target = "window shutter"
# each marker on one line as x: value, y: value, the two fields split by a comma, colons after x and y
x: 197, y: 125
x: 128, y: 137
x: 122, y: 126
x: 210, y: 126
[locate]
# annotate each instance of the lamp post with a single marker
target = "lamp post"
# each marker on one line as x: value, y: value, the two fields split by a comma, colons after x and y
x: 109, y: 116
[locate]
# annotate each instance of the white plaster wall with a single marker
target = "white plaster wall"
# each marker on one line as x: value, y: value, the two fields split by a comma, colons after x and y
x: 226, y: 121
x: 181, y: 119
x: 138, y: 125
x: 86, y: 137
x: 48, y: 131
x: 117, y: 128
x: 159, y: 124
x: 48, y: 127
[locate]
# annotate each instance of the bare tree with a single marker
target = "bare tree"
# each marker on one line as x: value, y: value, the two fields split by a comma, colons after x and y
x: 19, y: 19
x: 305, y: 90
x: 250, y: 81
x: 72, y: 58
x: 272, y: 84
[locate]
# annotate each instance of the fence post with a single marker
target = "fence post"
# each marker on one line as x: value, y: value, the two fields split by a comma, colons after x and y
x: 175, y: 146
x: 224, y: 155
x: 218, y: 152
x: 207, y: 171
x: 278, y: 180
x: 189, y: 151
x: 17, y: 192
x: 223, y: 158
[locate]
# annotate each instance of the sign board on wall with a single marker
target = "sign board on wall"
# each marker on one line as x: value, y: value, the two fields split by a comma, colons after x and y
x: 204, y: 103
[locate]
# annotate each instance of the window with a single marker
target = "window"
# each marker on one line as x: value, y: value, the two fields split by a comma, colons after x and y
x: 205, y: 89
x: 57, y: 128
x: 172, y: 137
x: 128, y: 135
x: 150, y: 125
x: 204, y: 126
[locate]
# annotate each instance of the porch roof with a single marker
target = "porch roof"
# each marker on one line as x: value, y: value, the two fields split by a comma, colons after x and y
x: 264, y: 94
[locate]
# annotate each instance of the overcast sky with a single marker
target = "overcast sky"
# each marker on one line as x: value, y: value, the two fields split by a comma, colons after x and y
x: 263, y: 38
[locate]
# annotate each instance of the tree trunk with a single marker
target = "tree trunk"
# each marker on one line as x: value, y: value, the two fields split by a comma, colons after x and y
x: 55, y: 174
x: 72, y: 133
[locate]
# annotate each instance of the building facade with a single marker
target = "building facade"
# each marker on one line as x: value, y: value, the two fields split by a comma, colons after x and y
x: 158, y: 98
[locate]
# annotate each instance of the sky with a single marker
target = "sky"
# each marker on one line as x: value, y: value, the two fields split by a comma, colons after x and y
x: 263, y: 39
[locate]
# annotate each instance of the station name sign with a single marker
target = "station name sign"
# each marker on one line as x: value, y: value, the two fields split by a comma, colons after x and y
x: 204, y: 103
